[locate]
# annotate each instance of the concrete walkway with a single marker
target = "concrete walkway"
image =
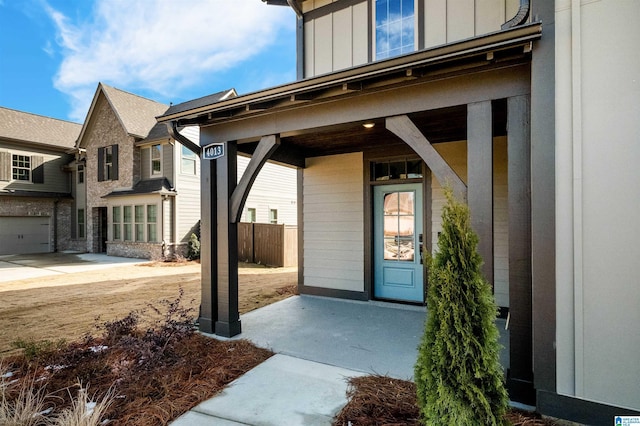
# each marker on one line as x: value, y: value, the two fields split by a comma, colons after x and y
x: 320, y: 343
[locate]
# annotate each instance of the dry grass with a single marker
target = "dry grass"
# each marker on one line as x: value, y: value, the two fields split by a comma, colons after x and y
x: 381, y: 400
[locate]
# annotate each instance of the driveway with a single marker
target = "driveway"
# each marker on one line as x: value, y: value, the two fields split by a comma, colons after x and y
x: 15, y: 267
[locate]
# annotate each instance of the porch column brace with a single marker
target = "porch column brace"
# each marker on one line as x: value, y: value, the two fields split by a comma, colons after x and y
x: 266, y: 147
x: 404, y: 128
x: 480, y: 180
x: 228, y: 319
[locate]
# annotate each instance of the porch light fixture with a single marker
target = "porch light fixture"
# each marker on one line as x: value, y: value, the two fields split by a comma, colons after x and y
x: 368, y: 125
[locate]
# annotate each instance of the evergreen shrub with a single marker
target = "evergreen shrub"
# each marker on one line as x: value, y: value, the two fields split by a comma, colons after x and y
x: 458, y: 374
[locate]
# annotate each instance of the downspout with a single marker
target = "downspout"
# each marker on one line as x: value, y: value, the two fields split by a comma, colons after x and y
x: 521, y: 15
x: 172, y: 128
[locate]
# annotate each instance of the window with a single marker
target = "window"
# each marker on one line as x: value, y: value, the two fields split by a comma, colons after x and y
x: 188, y: 161
x: 21, y: 168
x: 117, y: 222
x: 395, y: 27
x: 273, y: 216
x: 108, y: 163
x: 127, y: 219
x: 396, y: 169
x: 251, y: 215
x: 81, y: 223
x: 139, y: 223
x: 399, y: 226
x: 156, y: 160
x: 80, y: 173
x: 152, y: 219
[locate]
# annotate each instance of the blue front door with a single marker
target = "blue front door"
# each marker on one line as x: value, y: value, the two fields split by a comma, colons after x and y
x: 397, y: 220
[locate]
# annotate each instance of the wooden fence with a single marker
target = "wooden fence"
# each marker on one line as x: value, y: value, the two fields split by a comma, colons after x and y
x: 268, y: 244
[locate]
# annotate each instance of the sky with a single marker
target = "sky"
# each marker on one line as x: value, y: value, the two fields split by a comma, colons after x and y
x: 53, y: 53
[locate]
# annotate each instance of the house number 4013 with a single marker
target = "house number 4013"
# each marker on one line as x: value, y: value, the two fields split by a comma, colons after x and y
x: 213, y: 151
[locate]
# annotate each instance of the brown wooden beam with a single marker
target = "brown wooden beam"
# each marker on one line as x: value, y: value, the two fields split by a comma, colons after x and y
x: 404, y: 128
x: 226, y: 242
x: 266, y: 147
x: 208, y: 262
x: 480, y: 180
x: 520, y: 288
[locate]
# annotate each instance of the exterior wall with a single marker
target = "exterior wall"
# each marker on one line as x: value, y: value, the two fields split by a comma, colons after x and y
x: 58, y: 213
x: 455, y: 153
x: 104, y: 130
x: 333, y: 222
x: 187, y: 213
x: 597, y: 154
x: 136, y: 250
x: 350, y: 44
x: 55, y: 180
x: 274, y: 188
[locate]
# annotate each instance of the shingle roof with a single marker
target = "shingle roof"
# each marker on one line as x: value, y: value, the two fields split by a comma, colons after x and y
x: 151, y: 186
x: 137, y: 114
x: 23, y: 126
x: 204, y: 101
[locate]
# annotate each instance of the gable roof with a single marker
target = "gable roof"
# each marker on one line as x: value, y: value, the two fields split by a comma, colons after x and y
x: 26, y: 127
x: 135, y: 113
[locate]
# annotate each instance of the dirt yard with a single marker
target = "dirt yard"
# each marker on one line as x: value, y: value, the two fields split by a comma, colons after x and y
x: 66, y: 306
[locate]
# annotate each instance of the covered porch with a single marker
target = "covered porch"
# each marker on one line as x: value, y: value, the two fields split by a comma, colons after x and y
x: 455, y: 116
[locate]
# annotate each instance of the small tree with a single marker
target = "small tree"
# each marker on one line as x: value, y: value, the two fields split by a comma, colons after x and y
x: 193, y: 253
x: 458, y: 374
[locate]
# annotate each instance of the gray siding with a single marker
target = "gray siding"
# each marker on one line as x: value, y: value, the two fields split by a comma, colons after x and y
x: 55, y: 179
x: 333, y: 218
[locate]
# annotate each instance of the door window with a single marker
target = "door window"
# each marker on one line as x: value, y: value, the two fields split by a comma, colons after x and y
x: 399, y: 226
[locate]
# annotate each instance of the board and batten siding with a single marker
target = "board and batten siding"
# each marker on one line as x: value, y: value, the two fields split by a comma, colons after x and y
x: 188, y: 188
x: 455, y: 154
x: 340, y: 38
x: 333, y: 222
x: 275, y: 188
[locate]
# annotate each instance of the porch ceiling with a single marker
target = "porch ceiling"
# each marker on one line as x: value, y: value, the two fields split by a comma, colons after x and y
x: 440, y: 125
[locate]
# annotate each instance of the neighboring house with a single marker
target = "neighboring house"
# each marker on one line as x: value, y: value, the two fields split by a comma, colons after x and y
x: 35, y: 185
x: 139, y: 187
x: 527, y: 109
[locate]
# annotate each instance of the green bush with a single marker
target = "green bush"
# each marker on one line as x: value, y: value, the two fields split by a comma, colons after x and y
x: 194, y: 248
x: 458, y: 375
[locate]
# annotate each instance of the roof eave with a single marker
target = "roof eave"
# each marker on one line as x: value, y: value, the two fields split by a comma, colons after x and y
x: 441, y: 54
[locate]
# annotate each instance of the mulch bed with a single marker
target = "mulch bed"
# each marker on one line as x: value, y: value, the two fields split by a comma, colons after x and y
x: 155, y: 374
x: 381, y: 400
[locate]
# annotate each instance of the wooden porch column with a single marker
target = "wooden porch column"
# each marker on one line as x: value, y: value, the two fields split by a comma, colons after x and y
x: 480, y: 180
x: 520, y: 377
x: 208, y: 261
x: 228, y: 319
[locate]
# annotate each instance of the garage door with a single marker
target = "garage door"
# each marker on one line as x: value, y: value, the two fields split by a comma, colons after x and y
x: 24, y: 234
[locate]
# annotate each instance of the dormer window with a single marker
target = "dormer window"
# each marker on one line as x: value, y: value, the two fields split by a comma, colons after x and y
x: 395, y: 27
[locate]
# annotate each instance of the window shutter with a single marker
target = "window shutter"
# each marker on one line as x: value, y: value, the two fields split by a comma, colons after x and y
x: 5, y: 166
x: 37, y: 169
x: 114, y: 157
x: 100, y: 164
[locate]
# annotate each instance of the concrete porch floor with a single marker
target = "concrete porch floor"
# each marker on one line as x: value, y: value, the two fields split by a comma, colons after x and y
x: 370, y: 337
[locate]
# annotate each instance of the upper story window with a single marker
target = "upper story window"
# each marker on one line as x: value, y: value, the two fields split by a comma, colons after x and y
x: 395, y: 27
x: 251, y: 215
x: 273, y: 216
x: 188, y: 163
x: 108, y: 163
x: 21, y: 168
x: 80, y: 173
x: 156, y: 160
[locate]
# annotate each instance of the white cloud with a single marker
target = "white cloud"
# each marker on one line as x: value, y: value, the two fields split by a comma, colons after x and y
x: 162, y: 46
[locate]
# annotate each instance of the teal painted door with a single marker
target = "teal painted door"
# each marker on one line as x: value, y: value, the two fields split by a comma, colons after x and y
x: 397, y: 220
